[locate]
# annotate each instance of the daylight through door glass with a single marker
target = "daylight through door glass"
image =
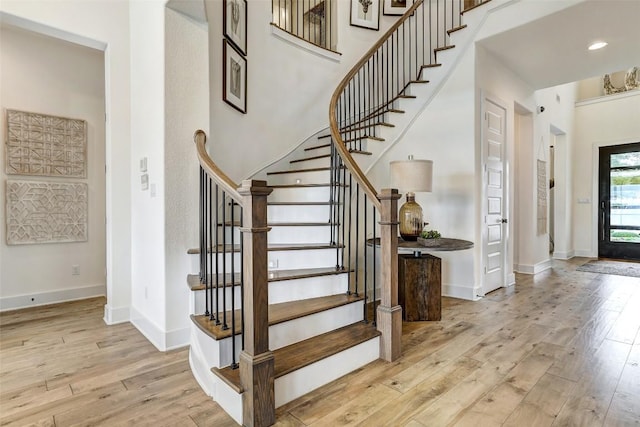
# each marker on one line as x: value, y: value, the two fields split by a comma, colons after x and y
x: 625, y: 197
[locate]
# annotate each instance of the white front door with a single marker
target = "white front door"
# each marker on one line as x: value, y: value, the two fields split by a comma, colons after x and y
x: 493, y: 236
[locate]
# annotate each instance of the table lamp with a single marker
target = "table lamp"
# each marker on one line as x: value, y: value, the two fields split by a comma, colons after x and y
x: 411, y: 176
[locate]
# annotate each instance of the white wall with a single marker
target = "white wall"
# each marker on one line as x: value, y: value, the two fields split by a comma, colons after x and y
x: 186, y: 109
x: 608, y: 120
x: 46, y: 75
x: 101, y: 24
x: 277, y: 71
x: 148, y: 299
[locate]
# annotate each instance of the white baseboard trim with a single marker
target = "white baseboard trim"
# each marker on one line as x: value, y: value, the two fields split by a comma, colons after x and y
x: 115, y: 315
x: 52, y: 297
x: 533, y: 269
x: 586, y: 254
x: 162, y: 340
x: 461, y: 292
x: 511, y: 280
x: 564, y: 255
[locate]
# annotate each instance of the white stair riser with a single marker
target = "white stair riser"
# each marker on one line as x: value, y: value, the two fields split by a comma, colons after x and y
x: 215, y: 353
x: 323, y: 162
x: 307, y: 379
x: 446, y: 56
x: 195, y: 262
x: 300, y: 194
x: 300, y: 234
x: 293, y: 331
x: 199, y: 299
x: 311, y: 258
x: 298, y: 213
x: 281, y: 291
x: 310, y: 287
x: 312, y: 177
x: 319, y: 151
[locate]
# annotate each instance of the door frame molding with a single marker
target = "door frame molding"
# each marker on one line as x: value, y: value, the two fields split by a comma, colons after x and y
x: 487, y: 96
x: 595, y: 189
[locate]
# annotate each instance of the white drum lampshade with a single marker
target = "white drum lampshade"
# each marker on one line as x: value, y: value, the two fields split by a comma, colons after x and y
x: 411, y: 176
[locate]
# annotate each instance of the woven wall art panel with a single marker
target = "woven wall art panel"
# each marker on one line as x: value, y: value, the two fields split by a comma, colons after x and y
x: 42, y: 145
x: 46, y: 212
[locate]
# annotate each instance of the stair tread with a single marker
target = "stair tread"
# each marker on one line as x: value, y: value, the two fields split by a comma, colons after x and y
x: 304, y: 353
x: 440, y: 49
x: 299, y: 170
x: 458, y: 28
x: 431, y: 65
x: 274, y: 247
x: 299, y: 203
x: 324, y: 156
x: 359, y: 126
x: 193, y: 280
x: 300, y: 185
x: 194, y: 283
x: 316, y: 147
x: 301, y: 273
x: 278, y: 313
x: 358, y: 138
x: 419, y: 81
x: 283, y: 224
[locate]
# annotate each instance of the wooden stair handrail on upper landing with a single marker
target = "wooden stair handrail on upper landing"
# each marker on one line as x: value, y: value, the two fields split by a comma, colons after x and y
x: 348, y: 160
x: 221, y: 178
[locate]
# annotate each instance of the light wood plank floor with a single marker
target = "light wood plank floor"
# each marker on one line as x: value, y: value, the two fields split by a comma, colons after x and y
x: 561, y: 348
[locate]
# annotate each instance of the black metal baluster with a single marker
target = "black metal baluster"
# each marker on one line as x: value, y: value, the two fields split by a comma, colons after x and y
x: 357, y: 245
x: 216, y: 250
x: 374, y: 265
x: 209, y: 253
x: 234, y: 364
x: 225, y: 326
x: 366, y: 281
x: 349, y: 226
x: 242, y: 276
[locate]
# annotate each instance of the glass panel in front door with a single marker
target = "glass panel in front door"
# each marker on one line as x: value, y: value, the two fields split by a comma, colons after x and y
x: 625, y: 197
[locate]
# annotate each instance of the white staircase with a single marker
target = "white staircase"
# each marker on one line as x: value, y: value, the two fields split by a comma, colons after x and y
x: 311, y: 308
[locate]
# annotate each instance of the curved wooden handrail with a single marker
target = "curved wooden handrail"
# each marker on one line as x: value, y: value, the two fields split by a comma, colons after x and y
x: 348, y: 160
x: 227, y: 184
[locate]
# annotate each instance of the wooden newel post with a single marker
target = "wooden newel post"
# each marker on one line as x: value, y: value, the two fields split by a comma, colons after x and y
x: 256, y: 360
x: 389, y: 313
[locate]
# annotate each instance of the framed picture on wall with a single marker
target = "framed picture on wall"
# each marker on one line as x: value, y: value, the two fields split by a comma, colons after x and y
x: 396, y: 7
x: 235, y: 23
x: 365, y: 14
x: 234, y: 77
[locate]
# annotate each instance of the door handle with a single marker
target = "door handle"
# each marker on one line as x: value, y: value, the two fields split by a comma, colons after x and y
x: 501, y: 221
x: 504, y: 220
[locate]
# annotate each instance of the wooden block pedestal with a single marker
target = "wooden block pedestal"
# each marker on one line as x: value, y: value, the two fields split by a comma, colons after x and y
x: 419, y: 287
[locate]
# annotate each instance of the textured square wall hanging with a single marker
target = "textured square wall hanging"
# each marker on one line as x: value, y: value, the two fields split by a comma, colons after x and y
x: 42, y: 145
x: 46, y: 212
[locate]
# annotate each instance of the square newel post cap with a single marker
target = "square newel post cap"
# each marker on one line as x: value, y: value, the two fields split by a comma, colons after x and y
x: 389, y: 194
x: 255, y: 187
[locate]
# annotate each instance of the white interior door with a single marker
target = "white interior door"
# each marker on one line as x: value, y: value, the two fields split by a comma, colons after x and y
x: 495, y: 222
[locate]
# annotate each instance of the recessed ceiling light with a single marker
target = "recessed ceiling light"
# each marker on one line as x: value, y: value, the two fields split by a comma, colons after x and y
x: 598, y: 45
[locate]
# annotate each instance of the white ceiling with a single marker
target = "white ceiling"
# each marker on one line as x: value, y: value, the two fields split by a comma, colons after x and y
x: 553, y: 50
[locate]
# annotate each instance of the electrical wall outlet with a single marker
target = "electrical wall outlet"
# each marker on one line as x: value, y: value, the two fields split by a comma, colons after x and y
x: 75, y: 270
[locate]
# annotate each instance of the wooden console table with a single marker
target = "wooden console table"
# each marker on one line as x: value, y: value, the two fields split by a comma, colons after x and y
x: 420, y: 277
